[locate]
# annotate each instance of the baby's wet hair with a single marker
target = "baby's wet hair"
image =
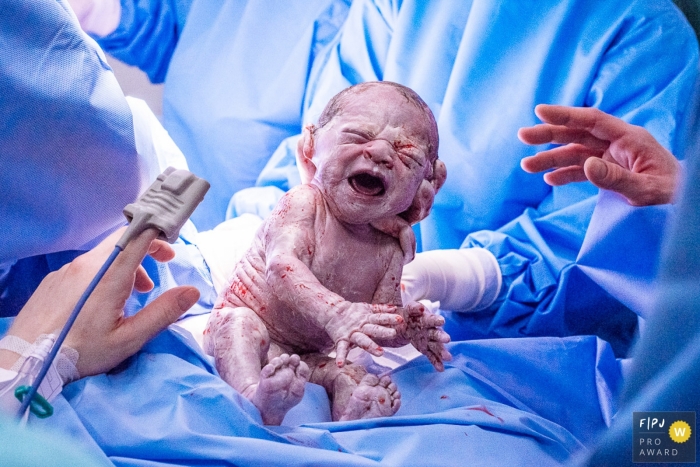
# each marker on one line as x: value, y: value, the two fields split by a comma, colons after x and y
x: 336, y: 105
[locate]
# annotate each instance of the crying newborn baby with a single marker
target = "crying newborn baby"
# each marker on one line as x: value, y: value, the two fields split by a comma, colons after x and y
x: 323, y: 273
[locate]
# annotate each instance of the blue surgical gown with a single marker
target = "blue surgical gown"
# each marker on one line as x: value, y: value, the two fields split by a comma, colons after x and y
x: 235, y: 75
x: 68, y: 160
x: 482, y: 67
x: 666, y: 363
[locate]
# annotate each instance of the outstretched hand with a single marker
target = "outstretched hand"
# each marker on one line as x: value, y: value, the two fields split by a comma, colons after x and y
x: 610, y: 153
x: 102, y: 335
x: 423, y: 329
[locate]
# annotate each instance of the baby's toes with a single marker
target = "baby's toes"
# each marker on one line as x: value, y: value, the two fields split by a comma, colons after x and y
x: 303, y: 370
x: 369, y: 380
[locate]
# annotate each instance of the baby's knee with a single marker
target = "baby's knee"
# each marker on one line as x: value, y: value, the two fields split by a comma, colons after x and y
x: 235, y: 325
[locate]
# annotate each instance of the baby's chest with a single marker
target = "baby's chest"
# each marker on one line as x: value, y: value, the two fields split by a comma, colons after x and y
x: 350, y: 267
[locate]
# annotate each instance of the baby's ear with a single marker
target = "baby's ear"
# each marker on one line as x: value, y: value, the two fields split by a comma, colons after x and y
x: 423, y: 201
x: 305, y: 154
x: 439, y: 175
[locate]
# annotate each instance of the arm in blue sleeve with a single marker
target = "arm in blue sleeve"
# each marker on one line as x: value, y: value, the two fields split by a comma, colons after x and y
x: 578, y: 264
x: 147, y: 34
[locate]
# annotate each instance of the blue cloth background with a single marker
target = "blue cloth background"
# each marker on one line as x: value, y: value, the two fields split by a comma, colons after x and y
x: 499, y: 402
x: 68, y: 164
x: 235, y: 76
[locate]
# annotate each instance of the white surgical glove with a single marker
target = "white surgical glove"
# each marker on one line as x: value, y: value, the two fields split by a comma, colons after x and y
x: 468, y: 279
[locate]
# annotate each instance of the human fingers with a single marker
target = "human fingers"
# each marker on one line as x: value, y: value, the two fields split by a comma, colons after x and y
x: 133, y: 332
x: 435, y: 360
x: 341, y: 352
x: 414, y: 309
x: 598, y: 123
x: 142, y: 283
x: 562, y: 156
x: 546, y: 134
x: 161, y: 251
x: 136, y: 250
x: 438, y: 335
x: 366, y: 343
x: 431, y: 320
x: 382, y: 308
x: 120, y: 278
x: 565, y: 175
x: 440, y: 353
x: 638, y: 189
x: 378, y: 332
x: 385, y: 319
x: 438, y: 348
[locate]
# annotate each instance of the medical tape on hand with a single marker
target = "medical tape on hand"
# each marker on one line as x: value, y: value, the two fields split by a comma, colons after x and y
x: 65, y: 361
x: 15, y: 345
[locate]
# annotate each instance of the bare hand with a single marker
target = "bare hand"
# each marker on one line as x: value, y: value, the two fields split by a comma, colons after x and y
x: 610, y: 153
x: 102, y: 335
x: 422, y: 328
x: 356, y: 324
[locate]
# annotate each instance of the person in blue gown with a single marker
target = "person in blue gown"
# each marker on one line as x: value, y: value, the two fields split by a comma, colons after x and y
x: 482, y: 67
x: 235, y: 75
x: 635, y: 170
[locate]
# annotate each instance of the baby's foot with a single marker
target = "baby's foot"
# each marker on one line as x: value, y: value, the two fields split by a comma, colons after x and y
x: 373, y: 397
x: 280, y: 388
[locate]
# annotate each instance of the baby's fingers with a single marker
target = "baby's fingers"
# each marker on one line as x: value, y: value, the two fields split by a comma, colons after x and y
x: 432, y: 321
x: 378, y: 332
x: 379, y: 308
x: 385, y: 319
x: 341, y: 353
x: 438, y: 335
x: 364, y: 342
x: 440, y: 350
x: 415, y: 309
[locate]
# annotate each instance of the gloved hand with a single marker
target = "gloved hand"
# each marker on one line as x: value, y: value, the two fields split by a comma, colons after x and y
x: 468, y: 279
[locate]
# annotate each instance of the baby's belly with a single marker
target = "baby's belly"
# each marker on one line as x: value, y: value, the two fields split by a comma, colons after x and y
x: 291, y: 329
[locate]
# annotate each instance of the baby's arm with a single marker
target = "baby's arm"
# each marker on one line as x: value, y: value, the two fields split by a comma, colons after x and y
x: 420, y: 326
x: 289, y: 239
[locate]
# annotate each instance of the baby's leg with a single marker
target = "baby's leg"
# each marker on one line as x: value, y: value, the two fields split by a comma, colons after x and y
x: 239, y: 342
x: 354, y: 393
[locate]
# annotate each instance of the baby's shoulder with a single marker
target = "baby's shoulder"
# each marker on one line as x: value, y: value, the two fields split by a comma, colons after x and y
x: 302, y: 195
x: 299, y: 207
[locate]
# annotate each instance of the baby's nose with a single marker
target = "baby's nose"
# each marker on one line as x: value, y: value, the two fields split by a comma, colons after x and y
x: 380, y: 152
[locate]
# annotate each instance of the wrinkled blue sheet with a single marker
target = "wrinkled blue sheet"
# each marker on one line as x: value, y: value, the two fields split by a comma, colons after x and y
x: 500, y: 402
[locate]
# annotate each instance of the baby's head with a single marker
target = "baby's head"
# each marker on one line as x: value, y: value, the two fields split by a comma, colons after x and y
x: 374, y: 154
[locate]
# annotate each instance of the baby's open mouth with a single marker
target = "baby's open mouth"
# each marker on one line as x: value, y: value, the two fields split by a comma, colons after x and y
x: 367, y: 184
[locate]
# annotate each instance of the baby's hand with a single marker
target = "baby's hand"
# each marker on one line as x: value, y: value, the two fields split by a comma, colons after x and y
x: 423, y: 329
x: 356, y: 324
